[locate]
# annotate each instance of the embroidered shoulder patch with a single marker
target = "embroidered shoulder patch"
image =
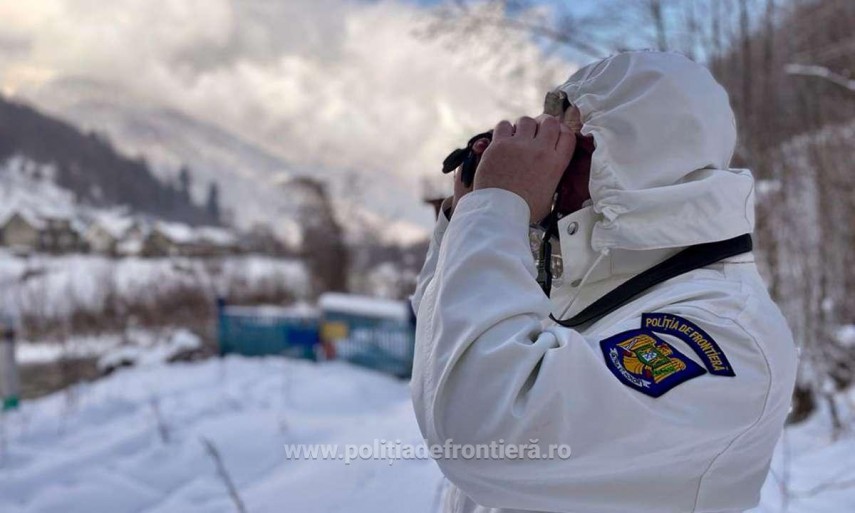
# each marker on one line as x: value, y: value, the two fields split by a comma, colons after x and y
x: 645, y: 362
x: 699, y: 340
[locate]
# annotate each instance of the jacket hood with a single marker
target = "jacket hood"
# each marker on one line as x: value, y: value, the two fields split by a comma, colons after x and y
x: 664, y: 134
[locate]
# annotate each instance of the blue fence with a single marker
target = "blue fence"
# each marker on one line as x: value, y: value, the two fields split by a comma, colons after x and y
x: 374, y: 333
x: 253, y: 331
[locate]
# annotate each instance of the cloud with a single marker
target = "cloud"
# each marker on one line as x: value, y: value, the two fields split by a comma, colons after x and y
x: 320, y: 82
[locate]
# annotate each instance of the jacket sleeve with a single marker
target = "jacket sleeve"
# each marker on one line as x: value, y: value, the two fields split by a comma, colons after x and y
x: 429, y: 267
x: 489, y: 370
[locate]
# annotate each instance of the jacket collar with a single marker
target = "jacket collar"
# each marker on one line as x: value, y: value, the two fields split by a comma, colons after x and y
x: 575, y: 232
x: 608, y: 272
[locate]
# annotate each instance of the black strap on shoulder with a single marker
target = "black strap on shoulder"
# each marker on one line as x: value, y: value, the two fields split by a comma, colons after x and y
x: 691, y: 258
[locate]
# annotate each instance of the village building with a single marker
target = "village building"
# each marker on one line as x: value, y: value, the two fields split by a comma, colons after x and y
x: 61, y: 235
x: 114, y: 235
x: 213, y: 241
x: 21, y: 231
x: 176, y: 239
x: 25, y: 232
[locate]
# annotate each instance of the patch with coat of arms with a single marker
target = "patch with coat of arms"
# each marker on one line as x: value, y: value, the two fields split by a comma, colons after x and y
x: 643, y: 361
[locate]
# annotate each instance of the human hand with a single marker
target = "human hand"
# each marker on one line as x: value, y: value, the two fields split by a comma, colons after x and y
x: 527, y: 159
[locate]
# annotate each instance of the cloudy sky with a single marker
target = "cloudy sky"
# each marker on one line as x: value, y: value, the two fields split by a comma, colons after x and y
x: 319, y: 82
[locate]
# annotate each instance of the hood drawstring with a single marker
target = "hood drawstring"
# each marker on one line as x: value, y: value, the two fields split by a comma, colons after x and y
x: 603, y: 254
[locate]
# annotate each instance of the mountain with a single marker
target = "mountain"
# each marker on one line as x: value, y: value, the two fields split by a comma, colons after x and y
x: 89, y: 168
x: 251, y: 180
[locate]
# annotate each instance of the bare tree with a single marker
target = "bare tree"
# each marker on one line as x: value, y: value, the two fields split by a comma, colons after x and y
x: 564, y: 26
x: 822, y: 72
x: 323, y: 246
x: 657, y: 16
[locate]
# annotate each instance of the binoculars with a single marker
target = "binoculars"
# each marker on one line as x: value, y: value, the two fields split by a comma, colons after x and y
x: 555, y: 104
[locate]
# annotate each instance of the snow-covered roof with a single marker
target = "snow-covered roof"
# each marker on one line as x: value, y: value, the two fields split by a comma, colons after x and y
x: 297, y: 311
x: 183, y: 234
x: 115, y: 224
x: 130, y: 246
x: 216, y: 235
x: 176, y: 232
x: 363, y: 305
x: 29, y: 217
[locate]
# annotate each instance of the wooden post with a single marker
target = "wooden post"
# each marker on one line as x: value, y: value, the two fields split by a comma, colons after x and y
x: 10, y: 387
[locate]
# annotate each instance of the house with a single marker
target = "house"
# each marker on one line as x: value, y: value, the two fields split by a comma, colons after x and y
x: 164, y: 240
x: 113, y: 233
x: 27, y: 232
x: 60, y: 235
x: 213, y: 241
x: 134, y: 242
x: 22, y: 231
x: 100, y: 240
x: 170, y: 239
x: 260, y: 239
x: 109, y: 235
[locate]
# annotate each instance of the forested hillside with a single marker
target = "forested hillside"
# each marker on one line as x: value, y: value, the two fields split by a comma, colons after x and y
x: 89, y: 167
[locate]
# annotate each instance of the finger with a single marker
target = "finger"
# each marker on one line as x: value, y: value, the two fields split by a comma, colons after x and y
x: 566, y: 144
x: 459, y: 186
x: 480, y: 145
x: 548, y: 130
x: 503, y: 130
x: 526, y: 128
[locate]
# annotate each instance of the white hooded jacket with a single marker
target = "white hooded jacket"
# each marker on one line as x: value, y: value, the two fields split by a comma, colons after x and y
x: 671, y: 403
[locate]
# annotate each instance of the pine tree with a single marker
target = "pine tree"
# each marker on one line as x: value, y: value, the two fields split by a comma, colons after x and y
x: 184, y: 182
x: 212, y: 205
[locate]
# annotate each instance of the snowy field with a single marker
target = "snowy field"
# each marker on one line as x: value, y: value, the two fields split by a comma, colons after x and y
x: 133, y: 442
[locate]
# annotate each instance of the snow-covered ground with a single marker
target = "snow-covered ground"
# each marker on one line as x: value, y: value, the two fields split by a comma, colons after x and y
x: 133, y: 442
x: 812, y: 472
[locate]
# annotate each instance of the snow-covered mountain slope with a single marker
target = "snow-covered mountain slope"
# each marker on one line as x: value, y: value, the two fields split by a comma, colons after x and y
x: 88, y: 167
x: 165, y: 136
x: 249, y: 177
x: 29, y: 188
